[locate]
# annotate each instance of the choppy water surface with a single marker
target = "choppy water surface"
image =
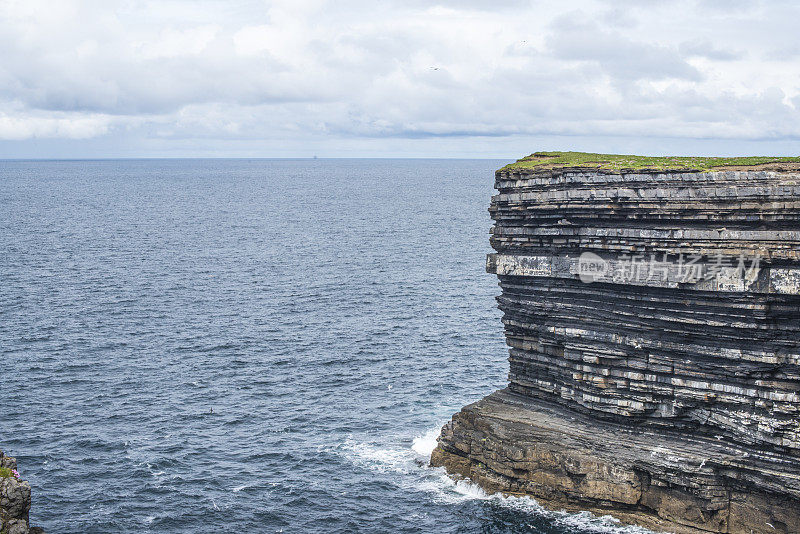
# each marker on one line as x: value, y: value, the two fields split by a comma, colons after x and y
x: 332, y: 313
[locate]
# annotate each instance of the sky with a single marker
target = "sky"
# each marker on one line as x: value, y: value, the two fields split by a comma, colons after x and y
x: 383, y: 78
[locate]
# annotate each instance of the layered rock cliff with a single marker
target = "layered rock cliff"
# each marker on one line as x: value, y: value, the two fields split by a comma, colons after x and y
x: 653, y: 320
x: 15, y: 500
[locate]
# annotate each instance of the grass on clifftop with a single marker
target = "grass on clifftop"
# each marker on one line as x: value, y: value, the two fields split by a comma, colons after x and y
x: 8, y: 473
x: 617, y: 162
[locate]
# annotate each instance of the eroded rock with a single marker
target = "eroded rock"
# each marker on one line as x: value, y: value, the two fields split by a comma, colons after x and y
x: 668, y: 401
x: 15, y: 501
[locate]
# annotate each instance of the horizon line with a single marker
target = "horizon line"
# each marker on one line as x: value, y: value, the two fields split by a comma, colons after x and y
x: 139, y: 158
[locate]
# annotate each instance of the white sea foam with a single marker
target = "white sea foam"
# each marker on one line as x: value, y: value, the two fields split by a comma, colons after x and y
x: 424, y: 444
x: 378, y: 458
x: 448, y: 491
x: 444, y: 490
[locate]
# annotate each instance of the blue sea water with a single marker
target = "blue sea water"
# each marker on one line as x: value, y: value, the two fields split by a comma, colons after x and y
x: 332, y: 313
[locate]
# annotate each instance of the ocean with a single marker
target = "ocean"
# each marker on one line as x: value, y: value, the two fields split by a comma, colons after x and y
x: 250, y: 345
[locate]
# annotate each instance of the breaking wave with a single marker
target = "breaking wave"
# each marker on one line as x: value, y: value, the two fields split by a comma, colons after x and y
x: 411, y: 463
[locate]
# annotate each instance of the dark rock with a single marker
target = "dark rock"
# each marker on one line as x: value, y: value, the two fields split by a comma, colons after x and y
x: 15, y: 498
x: 15, y: 501
x: 663, y: 399
x: 16, y: 526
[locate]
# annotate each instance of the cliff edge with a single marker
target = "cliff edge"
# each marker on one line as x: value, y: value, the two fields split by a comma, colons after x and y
x: 15, y: 500
x: 652, y: 310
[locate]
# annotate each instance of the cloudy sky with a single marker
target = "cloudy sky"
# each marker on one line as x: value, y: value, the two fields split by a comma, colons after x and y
x: 460, y: 78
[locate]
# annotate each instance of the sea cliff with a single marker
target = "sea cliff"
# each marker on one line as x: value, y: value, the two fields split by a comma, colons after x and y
x: 652, y: 310
x: 15, y: 500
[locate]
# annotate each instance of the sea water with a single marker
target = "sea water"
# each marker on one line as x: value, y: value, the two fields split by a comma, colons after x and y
x: 250, y: 345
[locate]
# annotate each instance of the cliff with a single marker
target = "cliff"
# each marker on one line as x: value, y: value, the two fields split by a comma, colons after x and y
x: 652, y: 310
x: 15, y: 500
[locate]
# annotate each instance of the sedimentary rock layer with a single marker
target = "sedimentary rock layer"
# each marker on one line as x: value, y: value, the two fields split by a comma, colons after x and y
x: 653, y: 320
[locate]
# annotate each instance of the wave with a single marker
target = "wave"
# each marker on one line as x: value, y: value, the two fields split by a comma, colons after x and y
x: 412, y: 464
x: 423, y: 445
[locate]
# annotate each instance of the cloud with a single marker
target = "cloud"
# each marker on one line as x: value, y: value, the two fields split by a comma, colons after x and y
x: 704, y: 48
x: 197, y: 75
x: 784, y: 53
x: 22, y: 126
x: 615, y: 54
x: 171, y: 43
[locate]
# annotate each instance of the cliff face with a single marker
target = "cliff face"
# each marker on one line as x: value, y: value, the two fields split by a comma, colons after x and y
x: 15, y: 500
x: 653, y: 320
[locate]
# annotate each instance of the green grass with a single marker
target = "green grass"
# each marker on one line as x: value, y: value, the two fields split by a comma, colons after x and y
x: 618, y: 162
x: 6, y: 473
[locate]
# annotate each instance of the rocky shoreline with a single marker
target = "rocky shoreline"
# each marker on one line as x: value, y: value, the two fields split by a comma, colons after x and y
x: 666, y: 400
x: 15, y: 500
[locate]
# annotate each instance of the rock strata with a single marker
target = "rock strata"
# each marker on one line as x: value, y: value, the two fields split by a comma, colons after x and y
x: 15, y: 500
x: 653, y: 320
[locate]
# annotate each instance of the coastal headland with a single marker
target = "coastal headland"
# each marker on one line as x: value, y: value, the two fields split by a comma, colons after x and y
x: 652, y: 311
